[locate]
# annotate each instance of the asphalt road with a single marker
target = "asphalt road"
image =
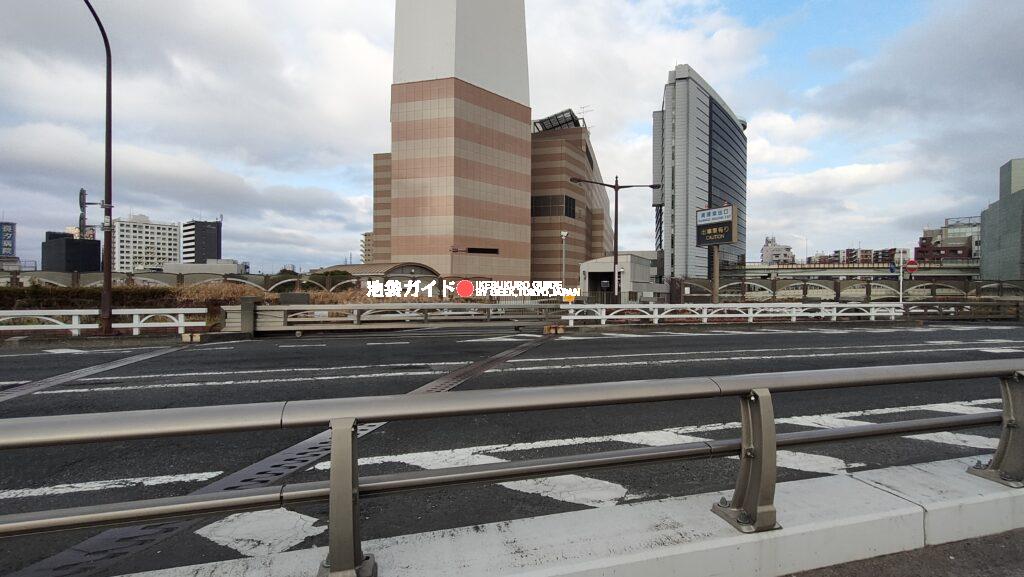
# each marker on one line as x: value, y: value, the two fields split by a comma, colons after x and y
x: 396, y: 363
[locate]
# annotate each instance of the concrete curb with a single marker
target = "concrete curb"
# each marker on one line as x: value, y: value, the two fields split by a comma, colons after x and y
x: 825, y: 521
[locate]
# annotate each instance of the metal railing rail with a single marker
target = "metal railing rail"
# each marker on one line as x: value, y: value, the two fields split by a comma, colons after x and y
x: 751, y: 508
x: 271, y: 318
x: 141, y: 319
x: 749, y: 312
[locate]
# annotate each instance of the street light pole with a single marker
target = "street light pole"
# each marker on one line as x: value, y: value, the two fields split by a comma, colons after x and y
x: 564, y: 235
x: 615, y: 250
x: 106, y: 326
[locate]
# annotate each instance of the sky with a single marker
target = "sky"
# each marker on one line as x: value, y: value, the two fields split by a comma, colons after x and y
x: 868, y: 120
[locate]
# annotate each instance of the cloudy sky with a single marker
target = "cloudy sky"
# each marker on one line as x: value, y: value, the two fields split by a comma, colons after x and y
x: 869, y: 119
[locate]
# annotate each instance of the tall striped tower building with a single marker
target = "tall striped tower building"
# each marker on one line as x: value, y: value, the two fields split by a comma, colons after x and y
x: 454, y: 194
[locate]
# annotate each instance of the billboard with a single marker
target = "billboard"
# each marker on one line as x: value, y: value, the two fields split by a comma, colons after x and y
x: 716, y: 226
x: 8, y: 232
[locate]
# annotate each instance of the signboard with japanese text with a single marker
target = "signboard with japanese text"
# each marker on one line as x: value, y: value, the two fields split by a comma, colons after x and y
x: 8, y: 232
x: 716, y: 226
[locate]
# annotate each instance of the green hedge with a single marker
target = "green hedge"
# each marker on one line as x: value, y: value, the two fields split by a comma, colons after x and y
x: 48, y: 297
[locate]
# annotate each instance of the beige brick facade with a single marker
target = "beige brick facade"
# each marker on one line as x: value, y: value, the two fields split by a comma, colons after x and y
x: 559, y: 155
x: 459, y: 175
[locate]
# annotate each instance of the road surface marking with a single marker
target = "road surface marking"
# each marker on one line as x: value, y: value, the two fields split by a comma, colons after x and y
x: 235, y: 382
x: 948, y: 438
x: 557, y: 367
x: 107, y: 484
x: 1001, y: 351
x: 262, y: 533
x: 265, y: 371
x: 387, y: 343
x: 513, y: 338
x: 733, y: 351
x: 63, y: 351
x: 300, y: 346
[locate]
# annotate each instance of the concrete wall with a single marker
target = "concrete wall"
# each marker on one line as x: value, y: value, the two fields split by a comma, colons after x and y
x: 482, y: 42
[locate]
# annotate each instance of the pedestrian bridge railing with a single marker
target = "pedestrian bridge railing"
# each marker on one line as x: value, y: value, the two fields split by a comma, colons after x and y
x: 751, y: 508
x: 729, y: 312
x: 77, y: 320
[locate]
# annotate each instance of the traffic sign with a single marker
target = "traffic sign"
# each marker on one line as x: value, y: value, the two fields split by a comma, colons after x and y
x: 912, y: 266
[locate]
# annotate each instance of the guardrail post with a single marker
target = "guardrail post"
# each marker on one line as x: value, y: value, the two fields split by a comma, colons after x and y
x: 345, y: 556
x: 752, y: 509
x: 181, y: 323
x: 1007, y: 465
x: 136, y: 325
x: 75, y: 322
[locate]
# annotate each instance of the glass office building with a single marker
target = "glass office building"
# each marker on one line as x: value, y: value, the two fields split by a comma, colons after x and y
x: 700, y: 159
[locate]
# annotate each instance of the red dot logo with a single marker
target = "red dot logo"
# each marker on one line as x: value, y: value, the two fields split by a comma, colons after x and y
x: 464, y: 289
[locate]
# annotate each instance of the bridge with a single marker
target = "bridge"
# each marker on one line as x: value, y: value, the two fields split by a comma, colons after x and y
x: 499, y: 451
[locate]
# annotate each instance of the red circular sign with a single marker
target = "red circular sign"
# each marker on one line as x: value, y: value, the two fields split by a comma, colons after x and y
x: 912, y: 266
x: 464, y: 289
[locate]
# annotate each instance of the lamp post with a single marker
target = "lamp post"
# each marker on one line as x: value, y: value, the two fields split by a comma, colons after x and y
x: 615, y: 251
x: 564, y: 234
x: 106, y: 327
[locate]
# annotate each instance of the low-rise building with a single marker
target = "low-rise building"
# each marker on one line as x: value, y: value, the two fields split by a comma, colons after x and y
x: 638, y: 271
x: 958, y: 239
x: 775, y: 253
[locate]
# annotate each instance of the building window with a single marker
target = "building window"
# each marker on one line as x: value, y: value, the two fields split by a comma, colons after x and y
x: 570, y: 207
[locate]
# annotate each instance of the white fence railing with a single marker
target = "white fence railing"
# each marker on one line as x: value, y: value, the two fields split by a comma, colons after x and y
x: 749, y: 312
x: 77, y: 320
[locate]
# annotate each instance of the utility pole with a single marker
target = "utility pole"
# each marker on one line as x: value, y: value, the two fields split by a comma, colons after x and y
x: 615, y: 251
x: 565, y: 235
x: 106, y: 296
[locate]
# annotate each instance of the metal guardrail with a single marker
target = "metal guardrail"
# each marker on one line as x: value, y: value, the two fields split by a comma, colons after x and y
x: 278, y: 318
x: 74, y: 320
x: 980, y: 310
x: 749, y: 312
x: 751, y: 508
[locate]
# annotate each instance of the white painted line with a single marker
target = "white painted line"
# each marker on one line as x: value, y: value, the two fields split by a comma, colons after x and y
x: 1001, y: 351
x: 233, y: 382
x: 387, y: 343
x: 262, y: 533
x: 300, y: 346
x: 6, y: 383
x: 265, y: 371
x: 107, y: 484
x: 703, y: 352
x: 959, y: 439
x: 193, y: 350
x: 63, y: 351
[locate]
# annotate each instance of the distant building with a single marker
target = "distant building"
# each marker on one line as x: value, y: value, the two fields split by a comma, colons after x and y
x: 140, y: 243
x: 700, y: 159
x: 90, y: 232
x: 775, y: 253
x: 1002, y: 227
x: 860, y: 256
x: 200, y: 241
x: 366, y: 247
x: 62, y: 252
x: 211, y: 266
x: 957, y: 239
